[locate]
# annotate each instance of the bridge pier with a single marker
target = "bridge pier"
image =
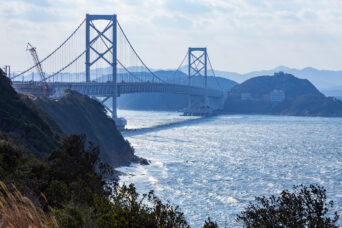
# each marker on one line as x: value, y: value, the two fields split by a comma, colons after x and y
x: 198, y: 106
x: 203, y: 106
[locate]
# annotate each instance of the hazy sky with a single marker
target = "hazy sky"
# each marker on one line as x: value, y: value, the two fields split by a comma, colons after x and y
x: 241, y: 35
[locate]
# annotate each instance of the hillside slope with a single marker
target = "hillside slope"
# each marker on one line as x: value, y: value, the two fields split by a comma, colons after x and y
x: 24, y: 124
x: 262, y: 85
x: 40, y: 124
x: 78, y: 114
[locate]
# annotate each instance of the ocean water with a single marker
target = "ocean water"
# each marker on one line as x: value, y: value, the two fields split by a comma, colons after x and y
x: 214, y: 166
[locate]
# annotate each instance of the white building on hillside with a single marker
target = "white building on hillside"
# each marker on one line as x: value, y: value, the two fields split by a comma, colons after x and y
x: 277, y: 96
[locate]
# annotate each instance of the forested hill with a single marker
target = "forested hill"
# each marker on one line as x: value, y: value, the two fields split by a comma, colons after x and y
x: 262, y: 85
x: 40, y: 124
x: 24, y: 124
x: 78, y: 114
x: 281, y: 94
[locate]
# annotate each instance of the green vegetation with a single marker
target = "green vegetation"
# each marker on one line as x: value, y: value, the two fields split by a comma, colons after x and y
x: 23, y: 124
x: 70, y: 184
x: 303, y: 207
x: 64, y: 176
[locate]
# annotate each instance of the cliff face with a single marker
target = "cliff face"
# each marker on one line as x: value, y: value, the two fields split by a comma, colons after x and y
x: 78, y: 114
x: 295, y: 97
x: 24, y: 124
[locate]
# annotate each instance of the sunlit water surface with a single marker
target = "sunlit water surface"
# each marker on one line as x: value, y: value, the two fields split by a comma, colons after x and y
x: 214, y: 166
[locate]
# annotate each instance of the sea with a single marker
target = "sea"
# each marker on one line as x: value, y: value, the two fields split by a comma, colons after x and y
x: 214, y: 166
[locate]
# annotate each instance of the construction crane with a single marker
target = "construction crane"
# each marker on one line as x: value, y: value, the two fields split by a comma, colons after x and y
x: 41, y: 88
x: 36, y: 61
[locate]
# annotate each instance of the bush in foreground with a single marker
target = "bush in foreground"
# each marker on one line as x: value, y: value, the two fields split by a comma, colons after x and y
x: 303, y: 207
x: 72, y: 179
x: 210, y: 224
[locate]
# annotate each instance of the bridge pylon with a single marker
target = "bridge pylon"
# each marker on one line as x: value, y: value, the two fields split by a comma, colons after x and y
x: 197, y: 63
x: 109, y: 34
x: 197, y: 66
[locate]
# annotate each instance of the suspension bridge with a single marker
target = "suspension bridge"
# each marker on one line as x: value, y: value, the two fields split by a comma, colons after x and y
x: 105, y: 65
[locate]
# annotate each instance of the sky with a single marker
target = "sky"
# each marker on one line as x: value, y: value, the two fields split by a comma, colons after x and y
x: 241, y: 35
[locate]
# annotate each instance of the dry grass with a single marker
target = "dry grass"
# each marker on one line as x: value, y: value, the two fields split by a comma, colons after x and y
x: 17, y: 211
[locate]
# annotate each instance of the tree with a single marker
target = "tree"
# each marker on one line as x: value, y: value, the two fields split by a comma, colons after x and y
x: 210, y: 224
x: 302, y: 207
x: 127, y: 208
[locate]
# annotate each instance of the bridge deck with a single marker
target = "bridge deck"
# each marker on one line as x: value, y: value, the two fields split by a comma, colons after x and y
x: 107, y: 89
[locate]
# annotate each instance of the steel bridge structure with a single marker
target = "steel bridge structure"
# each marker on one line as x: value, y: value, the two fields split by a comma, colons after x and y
x: 77, y: 68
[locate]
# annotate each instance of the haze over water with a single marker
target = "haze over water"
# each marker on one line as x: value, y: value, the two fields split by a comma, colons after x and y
x: 215, y: 166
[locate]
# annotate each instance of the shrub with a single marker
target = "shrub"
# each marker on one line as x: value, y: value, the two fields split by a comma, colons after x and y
x: 210, y: 224
x: 130, y: 209
x: 303, y: 207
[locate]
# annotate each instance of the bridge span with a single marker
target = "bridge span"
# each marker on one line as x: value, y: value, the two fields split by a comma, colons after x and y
x: 103, y: 52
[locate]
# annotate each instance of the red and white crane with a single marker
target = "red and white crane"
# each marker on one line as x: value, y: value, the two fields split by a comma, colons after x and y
x: 42, y: 86
x: 36, y: 61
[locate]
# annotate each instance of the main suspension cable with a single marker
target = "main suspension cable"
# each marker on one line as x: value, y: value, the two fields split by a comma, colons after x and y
x: 53, y: 52
x: 138, y: 55
x: 212, y: 70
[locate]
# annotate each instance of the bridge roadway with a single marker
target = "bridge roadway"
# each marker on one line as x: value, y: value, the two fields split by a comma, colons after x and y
x: 106, y: 89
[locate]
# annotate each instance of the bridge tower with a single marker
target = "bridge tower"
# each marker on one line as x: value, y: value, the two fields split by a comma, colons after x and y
x: 197, y: 66
x: 109, y: 33
x: 197, y: 59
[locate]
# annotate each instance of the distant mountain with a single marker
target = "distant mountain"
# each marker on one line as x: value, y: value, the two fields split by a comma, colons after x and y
x: 281, y: 94
x: 263, y: 85
x: 322, y: 79
x: 333, y: 91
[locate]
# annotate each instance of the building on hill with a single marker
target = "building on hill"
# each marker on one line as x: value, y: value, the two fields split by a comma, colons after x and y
x: 277, y: 96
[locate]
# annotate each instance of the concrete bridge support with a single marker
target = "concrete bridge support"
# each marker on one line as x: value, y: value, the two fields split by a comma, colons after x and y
x: 203, y: 106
